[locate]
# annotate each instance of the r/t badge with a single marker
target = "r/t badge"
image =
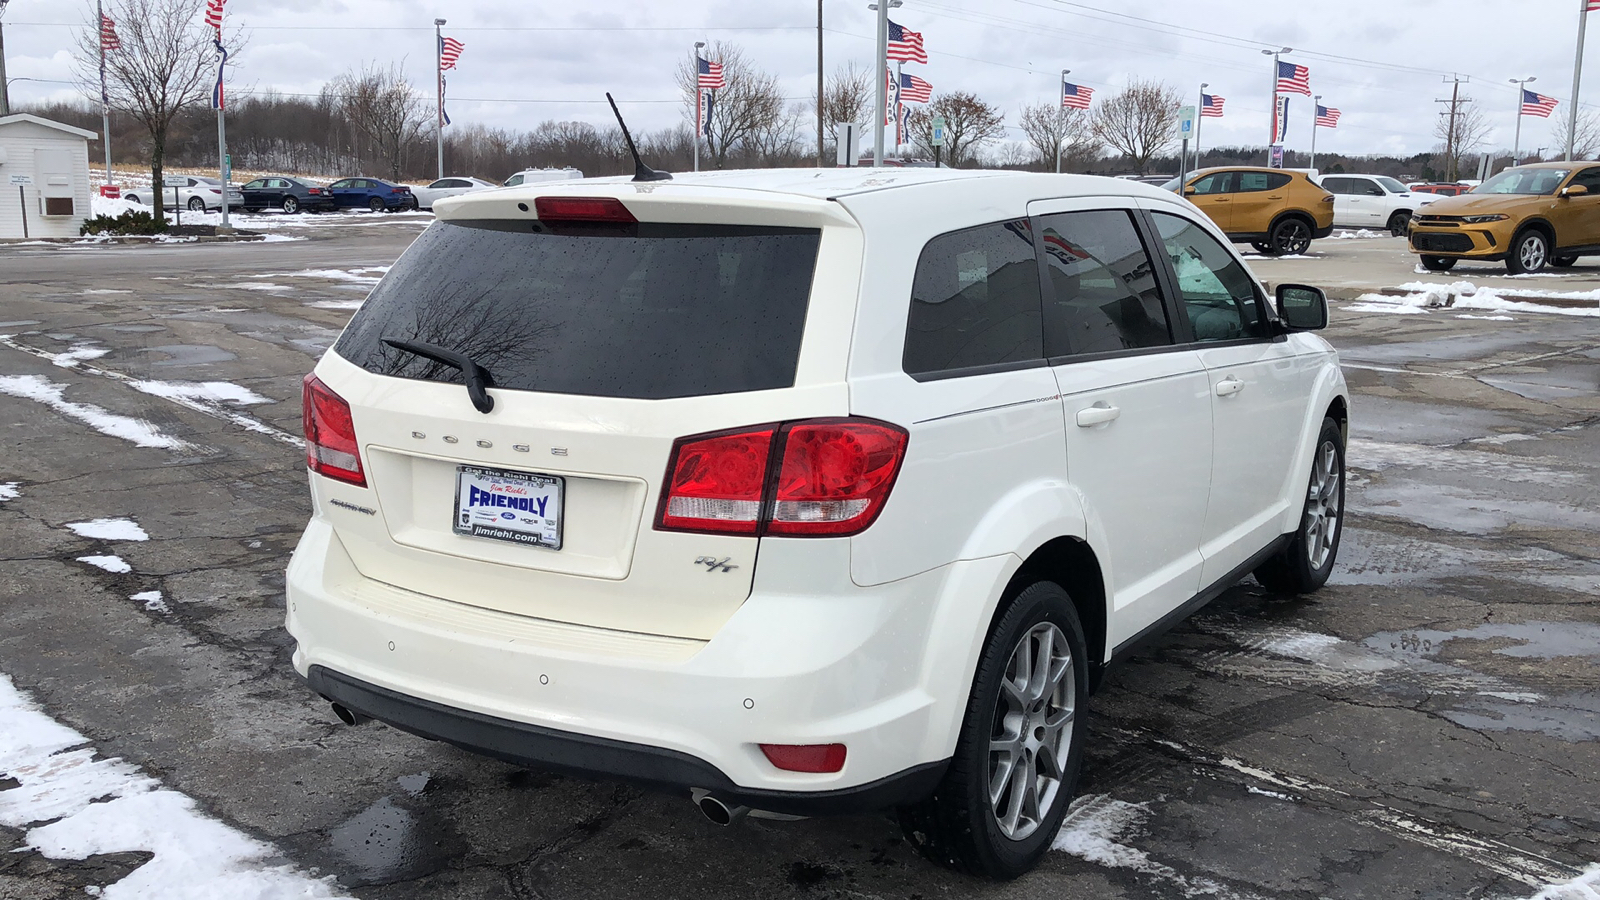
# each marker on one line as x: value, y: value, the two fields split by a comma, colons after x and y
x: 713, y: 564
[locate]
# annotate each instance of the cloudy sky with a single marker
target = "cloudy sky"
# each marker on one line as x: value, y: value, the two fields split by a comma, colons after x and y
x: 1382, y: 62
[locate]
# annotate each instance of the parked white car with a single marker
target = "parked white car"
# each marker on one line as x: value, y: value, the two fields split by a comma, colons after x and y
x: 805, y: 491
x: 449, y: 187
x: 537, y: 176
x: 1373, y: 201
x: 192, y: 192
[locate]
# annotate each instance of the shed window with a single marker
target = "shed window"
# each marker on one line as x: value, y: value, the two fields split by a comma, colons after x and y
x: 59, y: 206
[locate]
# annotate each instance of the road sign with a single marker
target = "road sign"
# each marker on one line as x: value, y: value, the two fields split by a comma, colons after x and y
x: 227, y: 167
x: 20, y: 180
x: 1186, y: 122
x: 938, y: 131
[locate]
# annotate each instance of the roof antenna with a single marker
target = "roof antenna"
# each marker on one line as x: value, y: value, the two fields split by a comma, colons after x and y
x: 641, y: 172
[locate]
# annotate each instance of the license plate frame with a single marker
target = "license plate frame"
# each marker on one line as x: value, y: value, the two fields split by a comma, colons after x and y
x: 516, y: 518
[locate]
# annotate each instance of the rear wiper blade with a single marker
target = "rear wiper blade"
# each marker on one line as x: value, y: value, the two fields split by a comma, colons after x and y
x: 478, y: 378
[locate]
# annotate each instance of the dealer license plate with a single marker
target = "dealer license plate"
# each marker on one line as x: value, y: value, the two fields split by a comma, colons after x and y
x: 520, y: 507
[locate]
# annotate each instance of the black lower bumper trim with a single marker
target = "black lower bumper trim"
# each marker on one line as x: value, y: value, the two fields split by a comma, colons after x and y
x: 547, y: 749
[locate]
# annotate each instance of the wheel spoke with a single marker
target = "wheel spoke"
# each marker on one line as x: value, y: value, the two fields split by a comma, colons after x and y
x: 1030, y: 791
x: 1000, y: 776
x: 1041, y: 682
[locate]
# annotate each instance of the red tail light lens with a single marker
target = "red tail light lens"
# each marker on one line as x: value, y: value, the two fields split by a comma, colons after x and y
x: 331, y: 447
x: 805, y: 757
x: 716, y: 482
x: 582, y: 209
x: 835, y: 475
x: 833, y: 479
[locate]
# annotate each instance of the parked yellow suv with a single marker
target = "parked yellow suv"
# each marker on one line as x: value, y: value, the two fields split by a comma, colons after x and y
x: 1278, y: 212
x: 1530, y: 217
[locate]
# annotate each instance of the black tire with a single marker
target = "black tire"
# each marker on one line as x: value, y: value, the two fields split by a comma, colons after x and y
x: 291, y: 205
x: 1262, y: 247
x: 1291, y: 236
x: 1563, y: 262
x: 1305, y: 563
x: 1438, y: 263
x: 376, y: 205
x: 957, y: 826
x: 131, y: 198
x: 1400, y: 224
x: 197, y: 205
x: 1530, y: 253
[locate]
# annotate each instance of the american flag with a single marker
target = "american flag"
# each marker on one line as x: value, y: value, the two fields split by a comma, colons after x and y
x: 449, y: 52
x: 1293, y: 79
x: 1592, y: 6
x: 1211, y: 104
x: 906, y: 45
x: 710, y: 75
x: 214, y: 15
x: 915, y: 90
x: 1327, y: 117
x: 108, y: 35
x: 1075, y: 96
x: 1538, y: 104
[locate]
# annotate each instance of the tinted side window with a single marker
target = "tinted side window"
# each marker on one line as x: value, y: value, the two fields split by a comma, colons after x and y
x: 975, y: 300
x: 1589, y: 178
x: 1336, y: 185
x: 1261, y: 181
x: 1215, y: 183
x: 1217, y: 292
x: 1367, y: 188
x: 1103, y: 293
x: 1278, y: 180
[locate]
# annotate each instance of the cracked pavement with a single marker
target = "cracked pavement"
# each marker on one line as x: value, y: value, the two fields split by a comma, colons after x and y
x: 1426, y: 726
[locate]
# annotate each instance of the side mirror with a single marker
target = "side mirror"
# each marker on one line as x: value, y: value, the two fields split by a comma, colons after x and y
x: 1302, y: 308
x: 1574, y: 190
x: 1189, y: 190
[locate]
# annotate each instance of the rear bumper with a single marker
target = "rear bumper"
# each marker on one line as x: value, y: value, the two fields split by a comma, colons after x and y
x: 809, y: 658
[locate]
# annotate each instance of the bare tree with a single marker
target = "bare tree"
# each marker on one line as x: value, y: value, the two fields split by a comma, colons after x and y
x: 1048, y: 126
x: 166, y: 64
x: 969, y: 123
x: 847, y: 97
x: 749, y: 105
x: 380, y: 104
x: 1140, y: 121
x: 1463, y: 134
x: 1587, y: 144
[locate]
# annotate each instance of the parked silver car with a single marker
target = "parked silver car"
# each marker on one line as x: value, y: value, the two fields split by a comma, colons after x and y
x: 192, y: 192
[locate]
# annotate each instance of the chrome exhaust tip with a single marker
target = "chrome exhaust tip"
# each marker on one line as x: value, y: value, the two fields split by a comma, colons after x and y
x: 350, y: 716
x: 715, y: 810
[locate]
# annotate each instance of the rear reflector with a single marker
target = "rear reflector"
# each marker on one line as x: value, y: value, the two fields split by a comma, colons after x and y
x: 805, y: 757
x: 582, y: 209
x: 331, y: 447
x: 818, y: 477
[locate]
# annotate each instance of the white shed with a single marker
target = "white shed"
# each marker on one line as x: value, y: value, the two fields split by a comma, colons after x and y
x: 44, y: 173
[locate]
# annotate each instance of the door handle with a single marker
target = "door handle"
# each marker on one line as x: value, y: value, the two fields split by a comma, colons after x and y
x: 1229, y: 386
x: 1098, y: 414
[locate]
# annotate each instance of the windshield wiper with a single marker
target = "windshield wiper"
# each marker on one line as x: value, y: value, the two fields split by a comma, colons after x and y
x: 478, y: 378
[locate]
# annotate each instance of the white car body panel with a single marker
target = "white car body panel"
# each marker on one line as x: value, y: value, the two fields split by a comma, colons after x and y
x: 428, y: 195
x: 1374, y: 204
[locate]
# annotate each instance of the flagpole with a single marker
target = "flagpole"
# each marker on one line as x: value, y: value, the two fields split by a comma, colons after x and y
x: 899, y: 85
x: 1316, y: 114
x: 1273, y: 139
x: 105, y: 100
x: 1577, y: 79
x: 699, y: 97
x: 1199, y: 120
x: 1522, y: 85
x: 882, y: 6
x: 222, y: 130
x: 438, y: 58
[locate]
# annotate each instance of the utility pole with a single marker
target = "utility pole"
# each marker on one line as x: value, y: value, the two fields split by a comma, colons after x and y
x: 820, y: 141
x: 438, y: 56
x: 5, y: 87
x: 1577, y: 78
x: 1516, y: 142
x: 1455, y: 102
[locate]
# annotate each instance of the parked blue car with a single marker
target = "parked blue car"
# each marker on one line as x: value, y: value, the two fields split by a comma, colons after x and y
x: 370, y: 193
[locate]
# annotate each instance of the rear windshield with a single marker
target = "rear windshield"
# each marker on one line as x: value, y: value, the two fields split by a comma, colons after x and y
x: 648, y: 311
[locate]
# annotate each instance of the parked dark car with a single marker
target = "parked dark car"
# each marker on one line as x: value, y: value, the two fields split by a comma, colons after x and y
x: 370, y: 193
x: 288, y: 194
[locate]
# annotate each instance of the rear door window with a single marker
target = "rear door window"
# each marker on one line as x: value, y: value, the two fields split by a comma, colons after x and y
x: 1102, y: 294
x: 975, y: 300
x: 1217, y: 292
x: 1215, y: 183
x: 1250, y: 182
x: 649, y: 311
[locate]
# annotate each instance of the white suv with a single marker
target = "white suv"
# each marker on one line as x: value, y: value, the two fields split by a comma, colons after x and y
x: 1373, y: 201
x: 805, y: 491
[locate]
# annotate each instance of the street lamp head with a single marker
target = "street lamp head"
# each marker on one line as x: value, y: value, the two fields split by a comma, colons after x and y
x: 438, y: 22
x: 1204, y: 85
x: 699, y: 45
x: 1065, y: 72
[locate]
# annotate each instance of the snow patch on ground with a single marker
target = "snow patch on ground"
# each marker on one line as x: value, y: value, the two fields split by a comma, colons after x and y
x: 78, y: 353
x: 1361, y: 234
x: 10, y: 490
x: 203, y: 391
x: 1094, y: 829
x: 1584, y: 887
x: 1488, y: 318
x: 96, y: 291
x: 152, y: 601
x: 135, y: 431
x: 109, y: 530
x: 1273, y: 794
x: 95, y: 806
x: 1423, y: 296
x: 354, y: 276
x: 116, y: 565
x: 339, y: 304
x: 1499, y: 272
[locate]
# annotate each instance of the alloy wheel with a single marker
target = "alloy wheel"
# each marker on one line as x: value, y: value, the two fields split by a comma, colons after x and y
x: 1323, y: 502
x: 1292, y: 238
x: 1532, y: 252
x: 1032, y: 732
x: 291, y: 205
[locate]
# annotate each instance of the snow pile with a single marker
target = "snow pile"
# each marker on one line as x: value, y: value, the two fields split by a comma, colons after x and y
x: 78, y: 353
x: 202, y: 391
x: 10, y: 490
x: 1360, y: 234
x: 109, y: 530
x: 152, y: 601
x: 116, y: 565
x: 136, y: 431
x: 1584, y: 887
x: 96, y: 806
x: 1423, y: 296
x: 105, y: 206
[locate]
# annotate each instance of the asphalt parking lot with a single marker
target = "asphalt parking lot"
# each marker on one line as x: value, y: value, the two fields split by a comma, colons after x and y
x: 1427, y: 726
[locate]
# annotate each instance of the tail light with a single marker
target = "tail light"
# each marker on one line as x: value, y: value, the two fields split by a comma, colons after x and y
x: 216, y: 190
x: 805, y: 757
x: 582, y: 209
x: 331, y: 447
x: 313, y: 190
x: 818, y: 477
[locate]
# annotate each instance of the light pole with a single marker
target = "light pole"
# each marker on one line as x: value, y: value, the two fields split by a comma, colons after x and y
x: 1516, y: 143
x: 1061, y: 117
x: 882, y: 10
x: 5, y: 86
x: 438, y: 55
x: 1200, y: 116
x: 1274, y: 138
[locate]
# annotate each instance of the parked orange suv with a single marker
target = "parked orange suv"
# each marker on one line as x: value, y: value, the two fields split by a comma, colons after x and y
x: 1278, y: 212
x: 1529, y: 216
